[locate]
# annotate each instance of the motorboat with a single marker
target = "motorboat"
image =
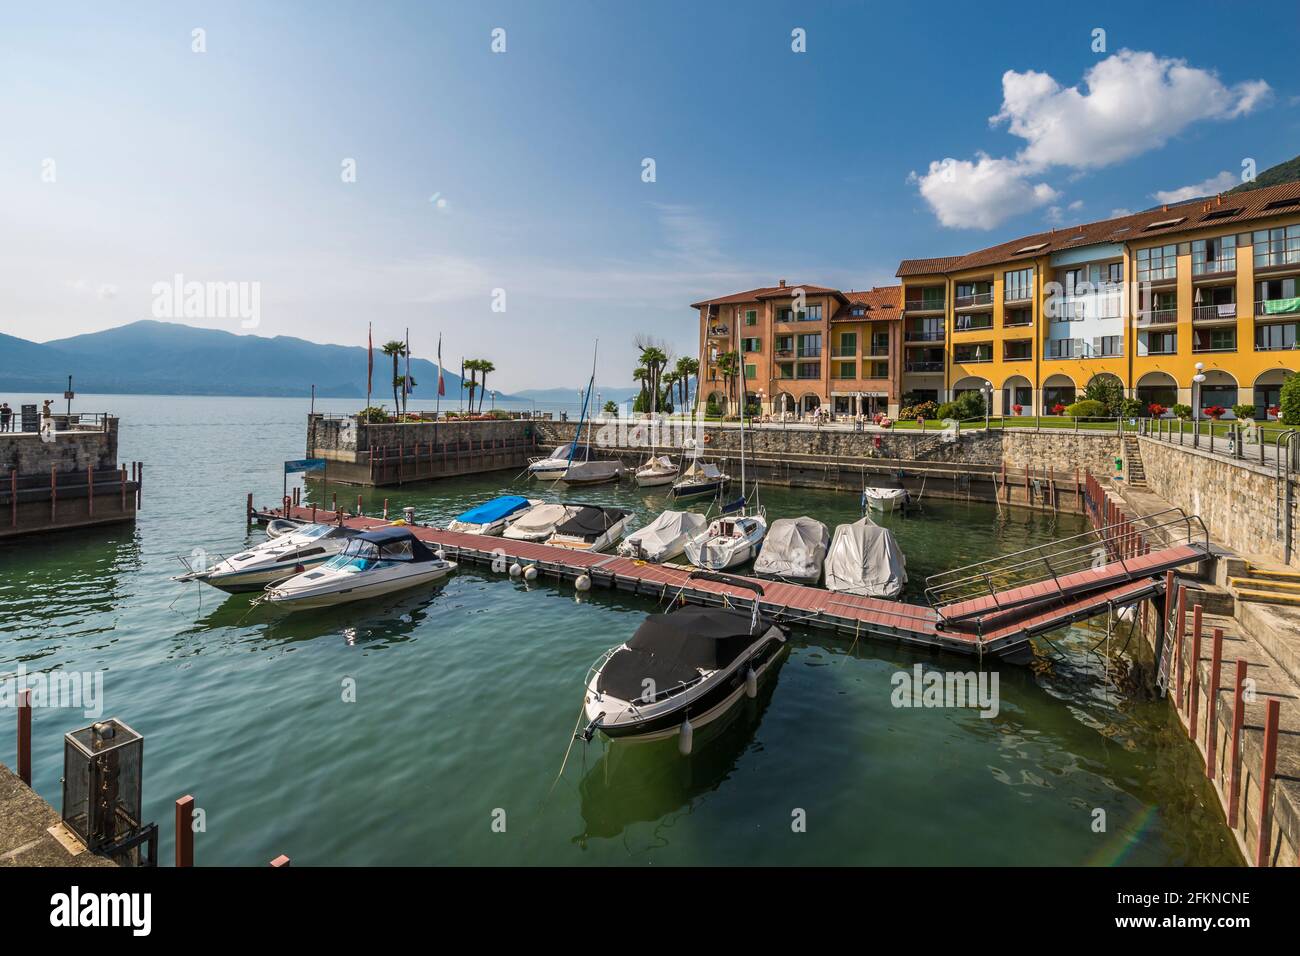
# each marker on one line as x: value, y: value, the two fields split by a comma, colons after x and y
x: 727, y: 542
x: 865, y: 559
x: 592, y: 472
x: 251, y: 570
x: 553, y: 466
x: 885, y: 497
x: 680, y: 671
x: 657, y: 471
x: 373, y: 563
x: 538, y: 523
x: 590, y: 528
x: 793, y: 550
x: 701, y: 478
x: 664, y: 538
x: 491, y: 517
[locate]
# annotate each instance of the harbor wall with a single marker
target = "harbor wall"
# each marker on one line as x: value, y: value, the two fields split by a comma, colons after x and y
x: 70, y: 451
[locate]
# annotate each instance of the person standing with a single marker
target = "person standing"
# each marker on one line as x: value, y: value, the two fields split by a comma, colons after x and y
x: 6, y: 417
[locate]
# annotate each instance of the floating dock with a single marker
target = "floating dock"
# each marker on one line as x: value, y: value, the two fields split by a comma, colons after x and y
x: 999, y: 632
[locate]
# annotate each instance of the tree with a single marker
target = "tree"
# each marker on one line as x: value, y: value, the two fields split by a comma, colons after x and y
x: 1289, y: 404
x: 611, y: 408
x: 397, y: 350
x: 484, y: 366
x: 686, y: 367
x: 471, y: 366
x: 1108, y: 390
x: 655, y: 356
x: 641, y: 376
x: 729, y: 367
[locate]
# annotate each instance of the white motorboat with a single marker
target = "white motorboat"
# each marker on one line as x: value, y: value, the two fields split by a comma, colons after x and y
x: 590, y: 528
x: 553, y: 466
x: 884, y: 498
x: 701, y: 478
x: 592, y: 472
x: 252, y: 570
x: 793, y: 550
x: 538, y: 523
x: 727, y: 542
x: 680, y: 671
x: 865, y: 559
x: 492, y: 517
x: 374, y: 563
x: 655, y: 472
x: 664, y: 538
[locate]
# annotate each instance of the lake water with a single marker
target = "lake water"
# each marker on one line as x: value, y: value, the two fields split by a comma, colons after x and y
x: 466, y: 697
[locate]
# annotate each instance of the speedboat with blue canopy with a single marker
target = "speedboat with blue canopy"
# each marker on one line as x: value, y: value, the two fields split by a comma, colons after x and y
x: 491, y: 517
x: 252, y: 570
x: 373, y: 563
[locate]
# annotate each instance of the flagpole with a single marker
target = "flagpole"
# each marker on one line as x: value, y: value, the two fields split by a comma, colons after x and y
x: 437, y: 413
x: 370, y: 359
x: 406, y: 382
x: 462, y: 386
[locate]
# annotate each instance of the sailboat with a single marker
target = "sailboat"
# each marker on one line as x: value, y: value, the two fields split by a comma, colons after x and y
x: 658, y: 469
x: 589, y: 471
x: 735, y: 537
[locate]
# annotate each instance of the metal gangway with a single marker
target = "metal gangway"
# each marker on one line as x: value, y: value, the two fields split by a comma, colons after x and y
x: 989, y: 593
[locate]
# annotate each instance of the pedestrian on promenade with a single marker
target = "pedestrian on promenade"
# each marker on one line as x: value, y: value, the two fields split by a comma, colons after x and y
x: 6, y: 417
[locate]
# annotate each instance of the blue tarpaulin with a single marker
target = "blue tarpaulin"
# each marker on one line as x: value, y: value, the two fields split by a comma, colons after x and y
x: 493, y: 510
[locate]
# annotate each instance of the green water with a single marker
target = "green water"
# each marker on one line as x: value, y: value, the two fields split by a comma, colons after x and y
x: 466, y: 697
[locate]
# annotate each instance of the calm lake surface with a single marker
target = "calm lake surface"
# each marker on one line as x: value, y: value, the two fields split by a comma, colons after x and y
x: 466, y: 697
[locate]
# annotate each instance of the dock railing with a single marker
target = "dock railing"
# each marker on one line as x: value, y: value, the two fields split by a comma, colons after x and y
x: 1118, y: 542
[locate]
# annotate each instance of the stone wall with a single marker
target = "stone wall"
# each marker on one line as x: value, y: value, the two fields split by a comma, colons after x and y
x: 335, y: 439
x: 70, y: 451
x: 1237, y: 500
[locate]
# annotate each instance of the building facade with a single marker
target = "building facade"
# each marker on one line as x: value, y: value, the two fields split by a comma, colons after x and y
x: 799, y: 349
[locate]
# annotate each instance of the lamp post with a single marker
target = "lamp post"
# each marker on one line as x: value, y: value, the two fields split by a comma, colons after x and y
x: 760, y: 402
x: 1197, y: 380
x: 987, y: 389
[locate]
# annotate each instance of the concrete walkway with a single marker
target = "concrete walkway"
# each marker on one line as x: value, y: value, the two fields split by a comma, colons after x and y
x: 25, y: 823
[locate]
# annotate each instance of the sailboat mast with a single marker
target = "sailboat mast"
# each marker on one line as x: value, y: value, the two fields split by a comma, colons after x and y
x: 591, y: 386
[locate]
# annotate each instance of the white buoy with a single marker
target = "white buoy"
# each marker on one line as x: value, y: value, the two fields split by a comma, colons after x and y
x: 530, y: 573
x: 409, y: 513
x: 751, y: 684
x: 516, y: 570
x: 686, y: 737
x: 583, y: 583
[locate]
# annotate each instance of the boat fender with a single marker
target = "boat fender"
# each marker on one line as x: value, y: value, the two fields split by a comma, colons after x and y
x: 686, y: 737
x: 751, y: 683
x: 708, y: 439
x: 530, y: 573
x: 440, y: 554
x: 583, y: 583
x: 516, y: 570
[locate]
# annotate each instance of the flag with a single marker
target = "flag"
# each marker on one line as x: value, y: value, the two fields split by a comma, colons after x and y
x: 408, y: 384
x: 370, y: 359
x: 442, y: 388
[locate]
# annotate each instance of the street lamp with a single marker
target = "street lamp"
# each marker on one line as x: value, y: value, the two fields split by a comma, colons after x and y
x: 1197, y: 380
x: 987, y: 389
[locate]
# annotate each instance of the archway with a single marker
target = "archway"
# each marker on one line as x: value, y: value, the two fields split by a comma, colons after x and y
x: 784, y: 404
x: 810, y: 403
x: 1058, y: 390
x: 1219, y: 388
x: 1268, y: 391
x: 1017, y: 390
x: 716, y: 404
x: 1158, y: 388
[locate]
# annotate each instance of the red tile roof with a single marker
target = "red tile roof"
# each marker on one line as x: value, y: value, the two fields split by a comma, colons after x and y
x: 881, y: 302
x: 768, y: 292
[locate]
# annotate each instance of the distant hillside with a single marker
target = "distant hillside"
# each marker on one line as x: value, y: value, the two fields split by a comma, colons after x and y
x: 618, y: 394
x: 1287, y: 172
x: 159, y: 358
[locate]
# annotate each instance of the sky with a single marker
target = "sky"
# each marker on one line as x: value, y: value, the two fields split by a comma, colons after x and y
x: 382, y: 163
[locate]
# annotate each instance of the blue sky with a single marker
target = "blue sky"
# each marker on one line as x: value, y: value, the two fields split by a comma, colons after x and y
x: 226, y: 165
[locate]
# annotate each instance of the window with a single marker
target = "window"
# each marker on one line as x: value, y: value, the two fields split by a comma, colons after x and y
x: 1157, y: 263
x: 1065, y: 348
x: 976, y: 320
x: 1270, y: 290
x: 751, y: 345
x: 973, y: 293
x: 1014, y: 317
x: 784, y: 344
x: 880, y: 370
x: 751, y: 316
x: 1277, y: 247
x: 785, y: 370
x: 1017, y: 350
x: 1157, y: 343
x: 1108, y: 346
x: 970, y: 354
x: 785, y: 315
x: 1214, y: 340
x: 810, y: 346
x: 880, y: 343
x: 846, y: 370
x: 1214, y: 255
x: 1018, y: 285
x: 929, y: 298
x: 848, y: 346
x: 1269, y: 338
x: 1114, y: 272
x: 858, y: 310
x: 811, y: 313
x: 1054, y: 395
x: 810, y: 370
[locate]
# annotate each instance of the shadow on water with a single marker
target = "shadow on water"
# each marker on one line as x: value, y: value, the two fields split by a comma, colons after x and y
x: 648, y: 782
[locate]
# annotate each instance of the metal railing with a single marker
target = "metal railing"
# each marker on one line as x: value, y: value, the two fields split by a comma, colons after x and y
x: 1114, y: 543
x: 924, y: 305
x: 63, y: 422
x: 923, y: 335
x: 1209, y: 313
x: 975, y: 298
x: 924, y: 366
x: 1261, y: 310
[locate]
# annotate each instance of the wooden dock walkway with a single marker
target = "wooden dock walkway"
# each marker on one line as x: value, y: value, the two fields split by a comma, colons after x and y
x: 1004, y: 635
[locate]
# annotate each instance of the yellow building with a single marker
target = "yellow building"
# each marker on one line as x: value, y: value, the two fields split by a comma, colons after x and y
x: 1152, y: 298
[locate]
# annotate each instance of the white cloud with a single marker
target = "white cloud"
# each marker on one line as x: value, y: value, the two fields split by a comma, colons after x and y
x: 1215, y: 184
x: 1126, y: 105
x: 1120, y: 211
x: 980, y: 194
x: 1056, y: 214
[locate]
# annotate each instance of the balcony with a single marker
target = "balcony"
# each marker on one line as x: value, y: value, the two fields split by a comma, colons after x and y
x: 923, y: 366
x: 973, y: 301
x: 968, y: 323
x: 1158, y: 316
x: 1226, y: 311
x: 1068, y: 308
x: 843, y: 352
x: 924, y: 305
x: 923, y: 335
x: 1275, y: 307
x: 879, y: 351
x: 719, y: 331
x: 810, y: 352
x: 785, y: 353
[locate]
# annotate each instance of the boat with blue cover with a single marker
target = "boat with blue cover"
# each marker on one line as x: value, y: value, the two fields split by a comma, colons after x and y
x: 492, y: 517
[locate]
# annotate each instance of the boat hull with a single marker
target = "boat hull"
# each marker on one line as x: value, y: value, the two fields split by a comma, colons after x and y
x: 655, y: 481
x: 364, y: 590
x: 886, y: 503
x: 697, y: 489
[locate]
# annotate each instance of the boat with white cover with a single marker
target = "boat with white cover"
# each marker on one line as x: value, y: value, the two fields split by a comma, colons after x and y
x: 252, y: 570
x: 590, y: 528
x: 885, y: 498
x: 699, y: 479
x: 658, y: 470
x: 553, y: 466
x: 680, y: 671
x: 865, y: 559
x: 374, y: 563
x: 593, y: 471
x: 538, y: 523
x: 794, y: 550
x: 491, y: 517
x: 664, y: 538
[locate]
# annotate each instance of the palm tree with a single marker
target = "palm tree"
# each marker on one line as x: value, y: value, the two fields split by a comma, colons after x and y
x: 484, y: 366
x: 471, y: 366
x: 670, y: 380
x: 686, y: 367
x: 729, y: 367
x: 397, y: 350
x: 653, y: 359
x: 642, y: 376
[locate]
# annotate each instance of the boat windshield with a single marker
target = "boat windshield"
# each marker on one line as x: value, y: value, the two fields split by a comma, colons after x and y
x: 356, y: 556
x: 313, y: 531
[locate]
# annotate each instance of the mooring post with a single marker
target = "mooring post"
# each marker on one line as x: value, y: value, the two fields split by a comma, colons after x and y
x: 1267, y: 770
x: 54, y: 489
x: 1234, y: 747
x: 280, y: 860
x: 385, y: 509
x: 123, y: 474
x: 1178, y: 643
x: 1212, y: 705
x: 25, y: 735
x: 185, y: 831
x: 13, y: 498
x: 1194, y: 679
x: 335, y: 500
x: 248, y: 514
x: 313, y: 514
x: 358, y: 506
x: 139, y: 484
x: 90, y: 491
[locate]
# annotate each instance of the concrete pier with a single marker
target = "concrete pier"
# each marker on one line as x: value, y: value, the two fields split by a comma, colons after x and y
x: 28, y: 826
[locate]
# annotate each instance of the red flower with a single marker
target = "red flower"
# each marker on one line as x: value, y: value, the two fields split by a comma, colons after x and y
x: 1058, y: 409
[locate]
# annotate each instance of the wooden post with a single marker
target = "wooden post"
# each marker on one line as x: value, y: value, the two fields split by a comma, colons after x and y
x: 1194, y: 678
x: 13, y: 498
x: 25, y: 736
x: 1211, y: 707
x: 248, y: 513
x: 185, y: 831
x: 139, y: 484
x: 280, y: 860
x: 335, y: 498
x: 1234, y: 746
x: 313, y: 514
x: 90, y: 491
x: 385, y: 509
x: 250, y: 497
x: 54, y: 489
x: 1181, y: 625
x: 358, y: 506
x: 1269, y: 768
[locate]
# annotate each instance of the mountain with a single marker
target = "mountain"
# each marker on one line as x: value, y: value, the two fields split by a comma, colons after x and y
x: 160, y: 358
x: 1286, y: 172
x: 617, y: 394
